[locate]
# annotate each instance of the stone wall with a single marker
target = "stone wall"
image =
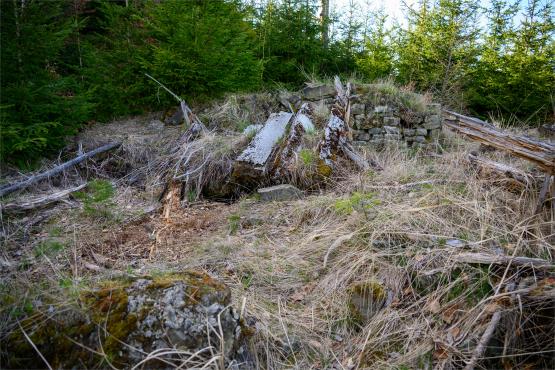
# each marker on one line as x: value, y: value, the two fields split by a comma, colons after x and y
x: 379, y: 120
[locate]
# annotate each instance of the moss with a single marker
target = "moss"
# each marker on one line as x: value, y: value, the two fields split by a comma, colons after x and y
x: 102, y: 315
x: 323, y: 169
x: 358, y: 201
x: 365, y: 297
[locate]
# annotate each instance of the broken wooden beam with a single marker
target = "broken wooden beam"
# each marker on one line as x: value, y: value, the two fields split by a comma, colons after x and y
x: 56, y: 170
x: 540, y: 153
x: 514, y: 177
x: 336, y: 139
x: 254, y: 163
x: 286, y: 154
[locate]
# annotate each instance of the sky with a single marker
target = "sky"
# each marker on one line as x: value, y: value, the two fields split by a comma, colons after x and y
x: 393, y: 8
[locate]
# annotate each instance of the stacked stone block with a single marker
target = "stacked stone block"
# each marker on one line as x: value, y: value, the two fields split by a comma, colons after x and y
x: 381, y: 124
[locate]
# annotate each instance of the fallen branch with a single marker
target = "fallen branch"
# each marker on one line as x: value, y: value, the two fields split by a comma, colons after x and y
x: 410, y: 185
x: 488, y: 259
x: 194, y: 126
x: 39, y: 201
x: 56, y: 170
x: 482, y: 344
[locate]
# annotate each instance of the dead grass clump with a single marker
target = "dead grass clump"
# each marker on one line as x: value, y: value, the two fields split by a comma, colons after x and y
x: 387, y: 92
x: 237, y: 111
x: 203, y: 165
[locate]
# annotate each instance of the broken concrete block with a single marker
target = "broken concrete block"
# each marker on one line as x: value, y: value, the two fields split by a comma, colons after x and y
x: 279, y: 193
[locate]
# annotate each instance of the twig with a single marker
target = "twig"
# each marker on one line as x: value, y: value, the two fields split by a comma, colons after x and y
x: 482, y: 344
x: 33, y: 345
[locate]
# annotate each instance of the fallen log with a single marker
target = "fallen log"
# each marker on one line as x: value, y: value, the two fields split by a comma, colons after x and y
x: 540, y: 153
x: 56, y: 170
x: 39, y: 201
x: 515, y: 177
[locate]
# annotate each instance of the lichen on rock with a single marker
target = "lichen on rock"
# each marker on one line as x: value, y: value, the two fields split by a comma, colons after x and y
x: 124, y: 320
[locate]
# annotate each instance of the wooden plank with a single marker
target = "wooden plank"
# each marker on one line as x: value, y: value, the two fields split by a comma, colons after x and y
x: 540, y: 153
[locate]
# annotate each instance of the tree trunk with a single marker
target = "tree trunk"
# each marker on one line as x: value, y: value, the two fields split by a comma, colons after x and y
x: 324, y: 19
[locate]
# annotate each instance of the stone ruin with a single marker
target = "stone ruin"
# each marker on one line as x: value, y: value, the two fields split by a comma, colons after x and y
x: 377, y: 120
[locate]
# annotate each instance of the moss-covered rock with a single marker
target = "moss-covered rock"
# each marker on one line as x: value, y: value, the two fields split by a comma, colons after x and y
x: 124, y: 320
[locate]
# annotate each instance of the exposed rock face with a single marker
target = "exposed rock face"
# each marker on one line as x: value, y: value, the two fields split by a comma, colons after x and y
x: 280, y: 192
x: 129, y: 319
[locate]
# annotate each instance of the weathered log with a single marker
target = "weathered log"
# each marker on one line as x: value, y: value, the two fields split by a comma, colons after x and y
x: 489, y: 259
x: 39, y: 201
x: 56, y: 170
x: 336, y: 139
x: 540, y: 153
x: 515, y: 177
x: 255, y: 161
x: 285, y: 155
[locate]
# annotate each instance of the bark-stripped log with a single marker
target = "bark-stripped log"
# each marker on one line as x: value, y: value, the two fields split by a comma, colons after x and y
x: 39, y: 201
x: 336, y: 135
x: 540, y: 153
x: 284, y: 158
x: 510, y: 176
x: 255, y: 162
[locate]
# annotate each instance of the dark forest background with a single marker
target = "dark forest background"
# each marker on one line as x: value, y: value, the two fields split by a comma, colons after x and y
x: 65, y: 63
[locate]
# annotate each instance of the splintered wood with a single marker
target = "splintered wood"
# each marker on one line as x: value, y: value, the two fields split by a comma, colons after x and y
x: 540, y: 153
x: 336, y: 139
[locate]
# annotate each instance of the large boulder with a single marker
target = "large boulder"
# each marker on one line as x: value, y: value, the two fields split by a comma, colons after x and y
x: 125, y: 320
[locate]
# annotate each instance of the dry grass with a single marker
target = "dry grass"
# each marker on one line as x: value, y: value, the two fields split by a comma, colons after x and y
x: 293, y: 264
